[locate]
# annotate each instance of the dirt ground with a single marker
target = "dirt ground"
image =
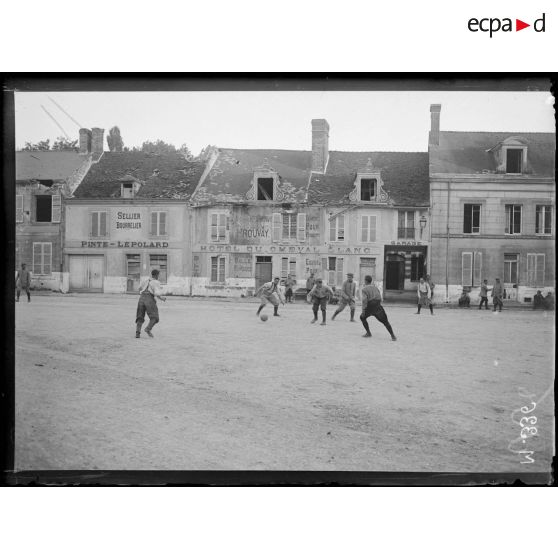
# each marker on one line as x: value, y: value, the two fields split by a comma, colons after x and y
x: 218, y: 389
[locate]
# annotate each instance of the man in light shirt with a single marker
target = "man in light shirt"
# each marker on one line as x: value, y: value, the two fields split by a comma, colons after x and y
x: 348, y: 292
x: 270, y: 293
x: 318, y: 296
x: 150, y: 290
x: 371, y: 306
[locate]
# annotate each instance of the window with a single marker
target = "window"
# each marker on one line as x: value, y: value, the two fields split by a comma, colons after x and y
x: 265, y: 189
x: 127, y: 190
x: 535, y: 270
x: 219, y: 226
x: 514, y: 159
x: 159, y: 261
x: 368, y: 228
x: 98, y: 223
x: 333, y: 268
x: 367, y: 189
x: 43, y: 212
x: 511, y: 262
x: 471, y: 218
x: 218, y: 269
x: 42, y: 258
x: 158, y: 223
x: 544, y: 219
x: 288, y: 267
x: 19, y: 209
x: 337, y: 228
x: 288, y: 226
x: 406, y: 224
x: 417, y: 267
x: 513, y: 219
x: 471, y: 269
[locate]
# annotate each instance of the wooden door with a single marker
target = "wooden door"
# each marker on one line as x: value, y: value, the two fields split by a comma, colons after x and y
x: 95, y: 272
x: 78, y: 272
x: 263, y: 271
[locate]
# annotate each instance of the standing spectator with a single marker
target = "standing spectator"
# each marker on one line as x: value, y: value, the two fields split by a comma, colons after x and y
x: 319, y: 296
x: 348, y: 292
x: 549, y: 301
x: 23, y: 281
x: 538, y: 301
x: 484, y: 294
x: 310, y: 283
x: 431, y: 284
x: 424, y: 295
x: 289, y: 284
x: 464, y: 300
x: 497, y: 294
x: 371, y: 306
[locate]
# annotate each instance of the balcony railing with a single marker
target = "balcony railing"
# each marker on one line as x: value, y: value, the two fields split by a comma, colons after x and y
x: 408, y: 233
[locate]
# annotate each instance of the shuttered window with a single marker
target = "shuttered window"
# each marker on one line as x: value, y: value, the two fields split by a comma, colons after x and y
x: 289, y: 226
x: 471, y: 269
x: 337, y: 228
x: 543, y: 219
x: 219, y: 227
x: 334, y: 270
x: 218, y: 269
x: 98, y: 224
x: 158, y: 223
x: 42, y: 258
x: 19, y: 209
x: 368, y: 228
x: 276, y: 226
x: 535, y: 270
x: 56, y: 208
x: 301, y: 227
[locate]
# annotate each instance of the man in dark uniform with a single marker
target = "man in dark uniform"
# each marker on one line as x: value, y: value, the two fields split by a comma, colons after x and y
x: 23, y: 281
x: 150, y: 289
x: 371, y: 306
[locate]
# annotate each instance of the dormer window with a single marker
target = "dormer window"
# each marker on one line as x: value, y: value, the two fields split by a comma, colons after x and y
x: 265, y: 184
x: 367, y: 189
x: 514, y: 160
x: 127, y: 190
x: 265, y: 189
x: 511, y: 155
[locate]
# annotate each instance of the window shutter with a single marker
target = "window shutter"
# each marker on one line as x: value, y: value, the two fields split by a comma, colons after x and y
x: 364, y: 228
x: 531, y: 267
x: 372, y: 225
x: 103, y: 224
x: 226, y: 220
x: 56, y: 208
x: 213, y: 227
x: 477, y: 269
x: 466, y: 268
x: 94, y: 224
x: 163, y: 223
x: 277, y: 224
x: 540, y: 265
x: 332, y: 228
x: 339, y: 271
x: 47, y: 258
x: 301, y: 226
x: 37, y: 258
x: 341, y: 228
x: 153, y: 223
x: 19, y: 209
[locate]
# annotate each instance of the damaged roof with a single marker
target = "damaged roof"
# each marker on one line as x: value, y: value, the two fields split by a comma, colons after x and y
x: 405, y: 177
x: 48, y: 165
x: 161, y: 176
x: 231, y: 176
x: 467, y: 152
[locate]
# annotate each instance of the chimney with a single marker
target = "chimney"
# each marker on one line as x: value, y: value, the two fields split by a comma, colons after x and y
x: 320, y: 144
x: 98, y: 139
x: 84, y: 140
x: 434, y: 136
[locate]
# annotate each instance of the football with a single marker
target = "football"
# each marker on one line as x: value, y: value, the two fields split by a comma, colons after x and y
x: 263, y: 317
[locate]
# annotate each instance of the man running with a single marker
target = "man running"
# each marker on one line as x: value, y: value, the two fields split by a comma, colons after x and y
x: 318, y: 296
x: 348, y: 291
x: 371, y: 306
x: 270, y: 293
x: 150, y: 289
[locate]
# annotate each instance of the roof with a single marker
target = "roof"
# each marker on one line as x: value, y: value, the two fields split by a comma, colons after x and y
x: 161, y: 176
x: 466, y: 152
x: 232, y: 174
x: 405, y: 177
x: 48, y: 165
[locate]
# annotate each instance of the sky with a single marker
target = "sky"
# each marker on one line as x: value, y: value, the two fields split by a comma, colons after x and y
x: 359, y: 121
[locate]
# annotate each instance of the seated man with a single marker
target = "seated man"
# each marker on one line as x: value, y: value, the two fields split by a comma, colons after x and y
x: 549, y: 301
x: 538, y: 301
x: 464, y: 300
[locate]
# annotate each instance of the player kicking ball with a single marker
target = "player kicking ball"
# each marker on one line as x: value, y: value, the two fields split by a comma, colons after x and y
x: 318, y: 296
x: 372, y: 306
x: 270, y: 293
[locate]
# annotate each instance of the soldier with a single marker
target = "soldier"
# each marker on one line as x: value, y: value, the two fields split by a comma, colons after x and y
x: 348, y: 291
x: 23, y: 281
x: 371, y: 306
x: 270, y: 293
x: 289, y: 284
x: 319, y: 295
x: 484, y: 294
x: 150, y: 289
x: 497, y: 295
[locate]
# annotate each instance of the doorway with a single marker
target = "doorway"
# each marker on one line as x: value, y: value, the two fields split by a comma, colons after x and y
x: 367, y: 267
x: 395, y: 272
x: 263, y: 270
x: 133, y: 272
x: 86, y: 273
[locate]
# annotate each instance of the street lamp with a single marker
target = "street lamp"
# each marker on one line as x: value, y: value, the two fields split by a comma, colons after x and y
x: 422, y: 222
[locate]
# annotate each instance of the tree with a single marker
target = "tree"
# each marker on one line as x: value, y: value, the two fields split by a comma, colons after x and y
x: 40, y: 146
x: 63, y: 144
x: 158, y: 147
x: 114, y: 139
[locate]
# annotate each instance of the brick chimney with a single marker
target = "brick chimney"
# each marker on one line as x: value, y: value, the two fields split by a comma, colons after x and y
x: 320, y: 144
x: 84, y: 140
x: 98, y: 139
x: 434, y: 136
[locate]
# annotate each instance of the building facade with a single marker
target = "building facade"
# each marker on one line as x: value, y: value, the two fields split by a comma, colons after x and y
x: 493, y: 211
x: 44, y: 180
x: 130, y: 215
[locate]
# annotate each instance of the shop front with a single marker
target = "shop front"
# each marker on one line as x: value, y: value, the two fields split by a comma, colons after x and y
x: 405, y: 262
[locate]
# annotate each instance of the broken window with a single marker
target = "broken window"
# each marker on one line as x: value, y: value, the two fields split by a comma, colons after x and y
x: 265, y: 189
x: 43, y: 212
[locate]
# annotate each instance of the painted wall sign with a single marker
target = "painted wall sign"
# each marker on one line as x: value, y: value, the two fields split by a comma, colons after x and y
x: 285, y: 249
x: 242, y: 265
x: 128, y: 220
x: 405, y: 243
x: 120, y: 244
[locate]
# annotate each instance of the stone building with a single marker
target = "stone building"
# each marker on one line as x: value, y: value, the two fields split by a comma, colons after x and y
x: 492, y: 205
x: 44, y: 180
x: 129, y: 215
